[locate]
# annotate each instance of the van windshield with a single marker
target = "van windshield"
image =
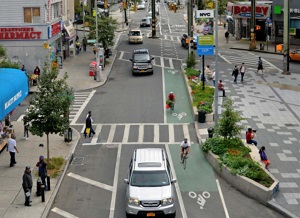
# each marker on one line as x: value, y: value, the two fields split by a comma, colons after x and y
x: 141, y: 57
x: 149, y: 178
x: 135, y: 33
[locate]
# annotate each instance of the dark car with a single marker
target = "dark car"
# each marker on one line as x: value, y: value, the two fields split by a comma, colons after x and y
x: 141, y: 62
x: 184, y: 44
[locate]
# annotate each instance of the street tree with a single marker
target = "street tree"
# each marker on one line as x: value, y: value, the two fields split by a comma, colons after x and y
x: 200, y: 5
x: 106, y: 30
x: 48, y: 109
x: 222, y: 7
x: 228, y: 125
x: 5, y: 62
x: 135, y: 2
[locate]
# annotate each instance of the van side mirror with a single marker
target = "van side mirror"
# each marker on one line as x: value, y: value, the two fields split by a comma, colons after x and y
x: 131, y: 59
x: 173, y: 181
x: 126, y: 181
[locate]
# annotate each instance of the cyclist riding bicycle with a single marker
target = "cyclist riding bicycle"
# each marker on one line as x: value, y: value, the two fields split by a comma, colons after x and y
x: 184, y: 146
x: 171, y: 100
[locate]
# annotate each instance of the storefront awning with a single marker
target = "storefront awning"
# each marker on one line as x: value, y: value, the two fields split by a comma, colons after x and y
x: 13, y: 89
x: 68, y: 26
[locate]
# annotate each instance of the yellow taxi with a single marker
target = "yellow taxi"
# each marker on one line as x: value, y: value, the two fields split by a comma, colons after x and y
x: 295, y: 55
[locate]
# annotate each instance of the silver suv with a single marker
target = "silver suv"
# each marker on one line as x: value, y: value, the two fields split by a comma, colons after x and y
x: 150, y: 187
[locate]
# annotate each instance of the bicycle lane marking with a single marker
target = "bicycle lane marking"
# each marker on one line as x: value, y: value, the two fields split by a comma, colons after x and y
x: 174, y: 82
x: 197, y: 183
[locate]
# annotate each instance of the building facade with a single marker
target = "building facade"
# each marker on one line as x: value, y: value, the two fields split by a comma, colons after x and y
x: 31, y: 31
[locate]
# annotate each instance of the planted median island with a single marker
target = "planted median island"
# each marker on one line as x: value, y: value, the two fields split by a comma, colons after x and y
x: 230, y: 149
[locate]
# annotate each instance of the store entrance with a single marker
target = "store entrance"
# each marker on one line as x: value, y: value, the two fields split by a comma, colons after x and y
x: 261, y: 34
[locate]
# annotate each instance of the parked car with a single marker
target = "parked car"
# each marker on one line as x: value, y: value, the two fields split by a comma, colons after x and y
x: 145, y: 22
x: 193, y: 41
x: 141, y: 7
x: 141, y: 61
x: 150, y: 188
x: 135, y: 36
x: 295, y: 55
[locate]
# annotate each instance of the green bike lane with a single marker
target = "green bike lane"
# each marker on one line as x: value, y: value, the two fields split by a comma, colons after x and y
x: 197, y: 184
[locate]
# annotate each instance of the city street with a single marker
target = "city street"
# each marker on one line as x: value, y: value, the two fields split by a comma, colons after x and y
x: 129, y: 112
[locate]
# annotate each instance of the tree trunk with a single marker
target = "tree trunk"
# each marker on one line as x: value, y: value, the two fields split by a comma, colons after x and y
x: 134, y: 7
x: 48, y: 153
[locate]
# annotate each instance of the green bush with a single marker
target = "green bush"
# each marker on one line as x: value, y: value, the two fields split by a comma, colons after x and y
x: 202, y: 98
x: 191, y: 61
x: 191, y: 72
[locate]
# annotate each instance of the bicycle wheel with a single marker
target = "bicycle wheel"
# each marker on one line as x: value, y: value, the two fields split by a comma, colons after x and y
x: 184, y: 162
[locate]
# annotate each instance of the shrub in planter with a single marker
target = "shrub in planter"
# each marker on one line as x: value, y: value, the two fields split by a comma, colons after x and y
x: 191, y: 72
x: 191, y: 61
x: 202, y: 99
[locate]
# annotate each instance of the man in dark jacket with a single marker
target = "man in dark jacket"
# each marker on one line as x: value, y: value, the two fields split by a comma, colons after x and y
x: 27, y: 185
x: 88, y: 126
x: 235, y: 73
x: 42, y: 170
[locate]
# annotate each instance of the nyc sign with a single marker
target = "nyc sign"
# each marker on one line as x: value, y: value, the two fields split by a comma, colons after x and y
x: 205, y: 14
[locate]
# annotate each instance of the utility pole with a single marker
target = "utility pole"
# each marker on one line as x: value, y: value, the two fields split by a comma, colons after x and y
x: 153, y: 9
x: 286, y: 37
x: 83, y: 18
x: 190, y: 22
x: 125, y: 14
x: 252, y: 45
x: 97, y: 46
x: 216, y: 115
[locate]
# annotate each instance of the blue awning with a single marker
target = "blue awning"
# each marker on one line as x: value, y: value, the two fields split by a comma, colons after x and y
x: 13, y: 89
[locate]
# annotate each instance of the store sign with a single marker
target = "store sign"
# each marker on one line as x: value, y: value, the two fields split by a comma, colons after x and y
x: 19, y: 33
x: 54, y: 29
x: 244, y: 11
x: 204, y: 13
x: 12, y: 100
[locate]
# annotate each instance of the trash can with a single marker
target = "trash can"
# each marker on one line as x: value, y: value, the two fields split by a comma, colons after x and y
x: 38, y: 187
x: 210, y: 131
x: 201, y: 116
x: 262, y: 46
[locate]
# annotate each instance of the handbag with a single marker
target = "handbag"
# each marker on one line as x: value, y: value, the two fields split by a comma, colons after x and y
x: 87, y: 130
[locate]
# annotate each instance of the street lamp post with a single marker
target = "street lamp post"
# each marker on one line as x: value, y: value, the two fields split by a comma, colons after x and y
x: 252, y: 45
x: 286, y: 37
x: 216, y: 115
x: 97, y: 45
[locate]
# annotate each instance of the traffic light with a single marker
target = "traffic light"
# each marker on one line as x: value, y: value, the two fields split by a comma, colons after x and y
x: 257, y: 27
x: 124, y: 5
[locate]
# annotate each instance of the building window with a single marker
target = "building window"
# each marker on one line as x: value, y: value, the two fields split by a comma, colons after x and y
x: 56, y: 10
x: 32, y: 15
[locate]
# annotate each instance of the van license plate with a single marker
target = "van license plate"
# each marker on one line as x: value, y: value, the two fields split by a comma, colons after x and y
x: 150, y: 214
x: 142, y: 71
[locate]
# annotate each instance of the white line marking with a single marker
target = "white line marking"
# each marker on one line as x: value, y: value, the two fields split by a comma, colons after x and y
x: 222, y: 198
x: 156, y: 133
x: 90, y: 181
x: 63, y: 213
x: 171, y: 133
x: 20, y: 118
x: 97, y: 131
x: 111, y: 133
x: 82, y: 107
x: 126, y: 134
x: 171, y: 63
x: 121, y: 55
x: 117, y: 41
x: 225, y: 59
x: 182, y: 208
x: 83, y: 128
x: 165, y: 37
x: 186, y: 131
x: 164, y: 97
x: 162, y: 64
x: 128, y: 143
x: 115, y: 184
x: 141, y: 133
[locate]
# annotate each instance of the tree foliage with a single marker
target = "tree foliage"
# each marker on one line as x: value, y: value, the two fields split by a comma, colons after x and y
x: 200, y: 5
x: 228, y: 126
x: 222, y: 7
x: 5, y: 62
x: 48, y: 108
x: 106, y: 30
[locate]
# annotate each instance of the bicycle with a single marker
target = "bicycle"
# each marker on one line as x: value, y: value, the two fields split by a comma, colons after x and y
x: 172, y: 104
x: 184, y: 159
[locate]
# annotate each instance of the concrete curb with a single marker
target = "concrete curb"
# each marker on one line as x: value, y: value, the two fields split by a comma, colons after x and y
x: 69, y: 160
x: 273, y: 205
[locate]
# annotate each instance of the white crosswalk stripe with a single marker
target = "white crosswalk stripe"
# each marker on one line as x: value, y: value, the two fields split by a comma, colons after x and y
x: 171, y: 38
x: 139, y: 133
x: 236, y: 57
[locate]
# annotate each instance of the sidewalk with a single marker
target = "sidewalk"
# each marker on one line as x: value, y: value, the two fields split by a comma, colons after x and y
x: 12, y: 196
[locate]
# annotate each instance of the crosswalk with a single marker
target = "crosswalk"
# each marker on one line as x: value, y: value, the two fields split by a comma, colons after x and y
x: 81, y: 99
x: 159, y: 61
x: 141, y: 133
x: 236, y: 57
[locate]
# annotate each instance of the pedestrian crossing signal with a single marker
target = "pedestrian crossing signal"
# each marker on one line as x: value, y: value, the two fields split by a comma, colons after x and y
x: 257, y: 27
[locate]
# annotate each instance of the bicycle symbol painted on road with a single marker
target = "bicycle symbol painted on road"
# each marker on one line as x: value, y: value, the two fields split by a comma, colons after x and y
x: 179, y: 115
x: 201, y: 198
x: 172, y: 71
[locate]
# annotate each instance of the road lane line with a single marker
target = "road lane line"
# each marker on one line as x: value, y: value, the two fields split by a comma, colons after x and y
x: 63, y: 213
x: 164, y: 97
x: 186, y: 132
x: 222, y: 199
x: 171, y: 133
x: 181, y: 204
x: 162, y: 63
x: 156, y: 133
x: 91, y: 182
x: 121, y: 55
x: 82, y: 107
x: 95, y: 136
x: 115, y: 184
x: 126, y: 133
x: 111, y: 133
x: 171, y: 63
x: 117, y: 41
x: 141, y: 133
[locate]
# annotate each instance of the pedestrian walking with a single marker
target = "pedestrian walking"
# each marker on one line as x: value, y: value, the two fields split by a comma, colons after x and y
x: 264, y: 157
x: 227, y: 36
x: 235, y: 73
x: 88, y: 126
x: 224, y: 25
x: 214, y: 77
x: 260, y: 65
x: 27, y: 185
x: 243, y: 70
x: 42, y: 165
x: 90, y: 113
x: 84, y: 43
x: 12, y: 149
x: 26, y: 128
x: 221, y: 88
